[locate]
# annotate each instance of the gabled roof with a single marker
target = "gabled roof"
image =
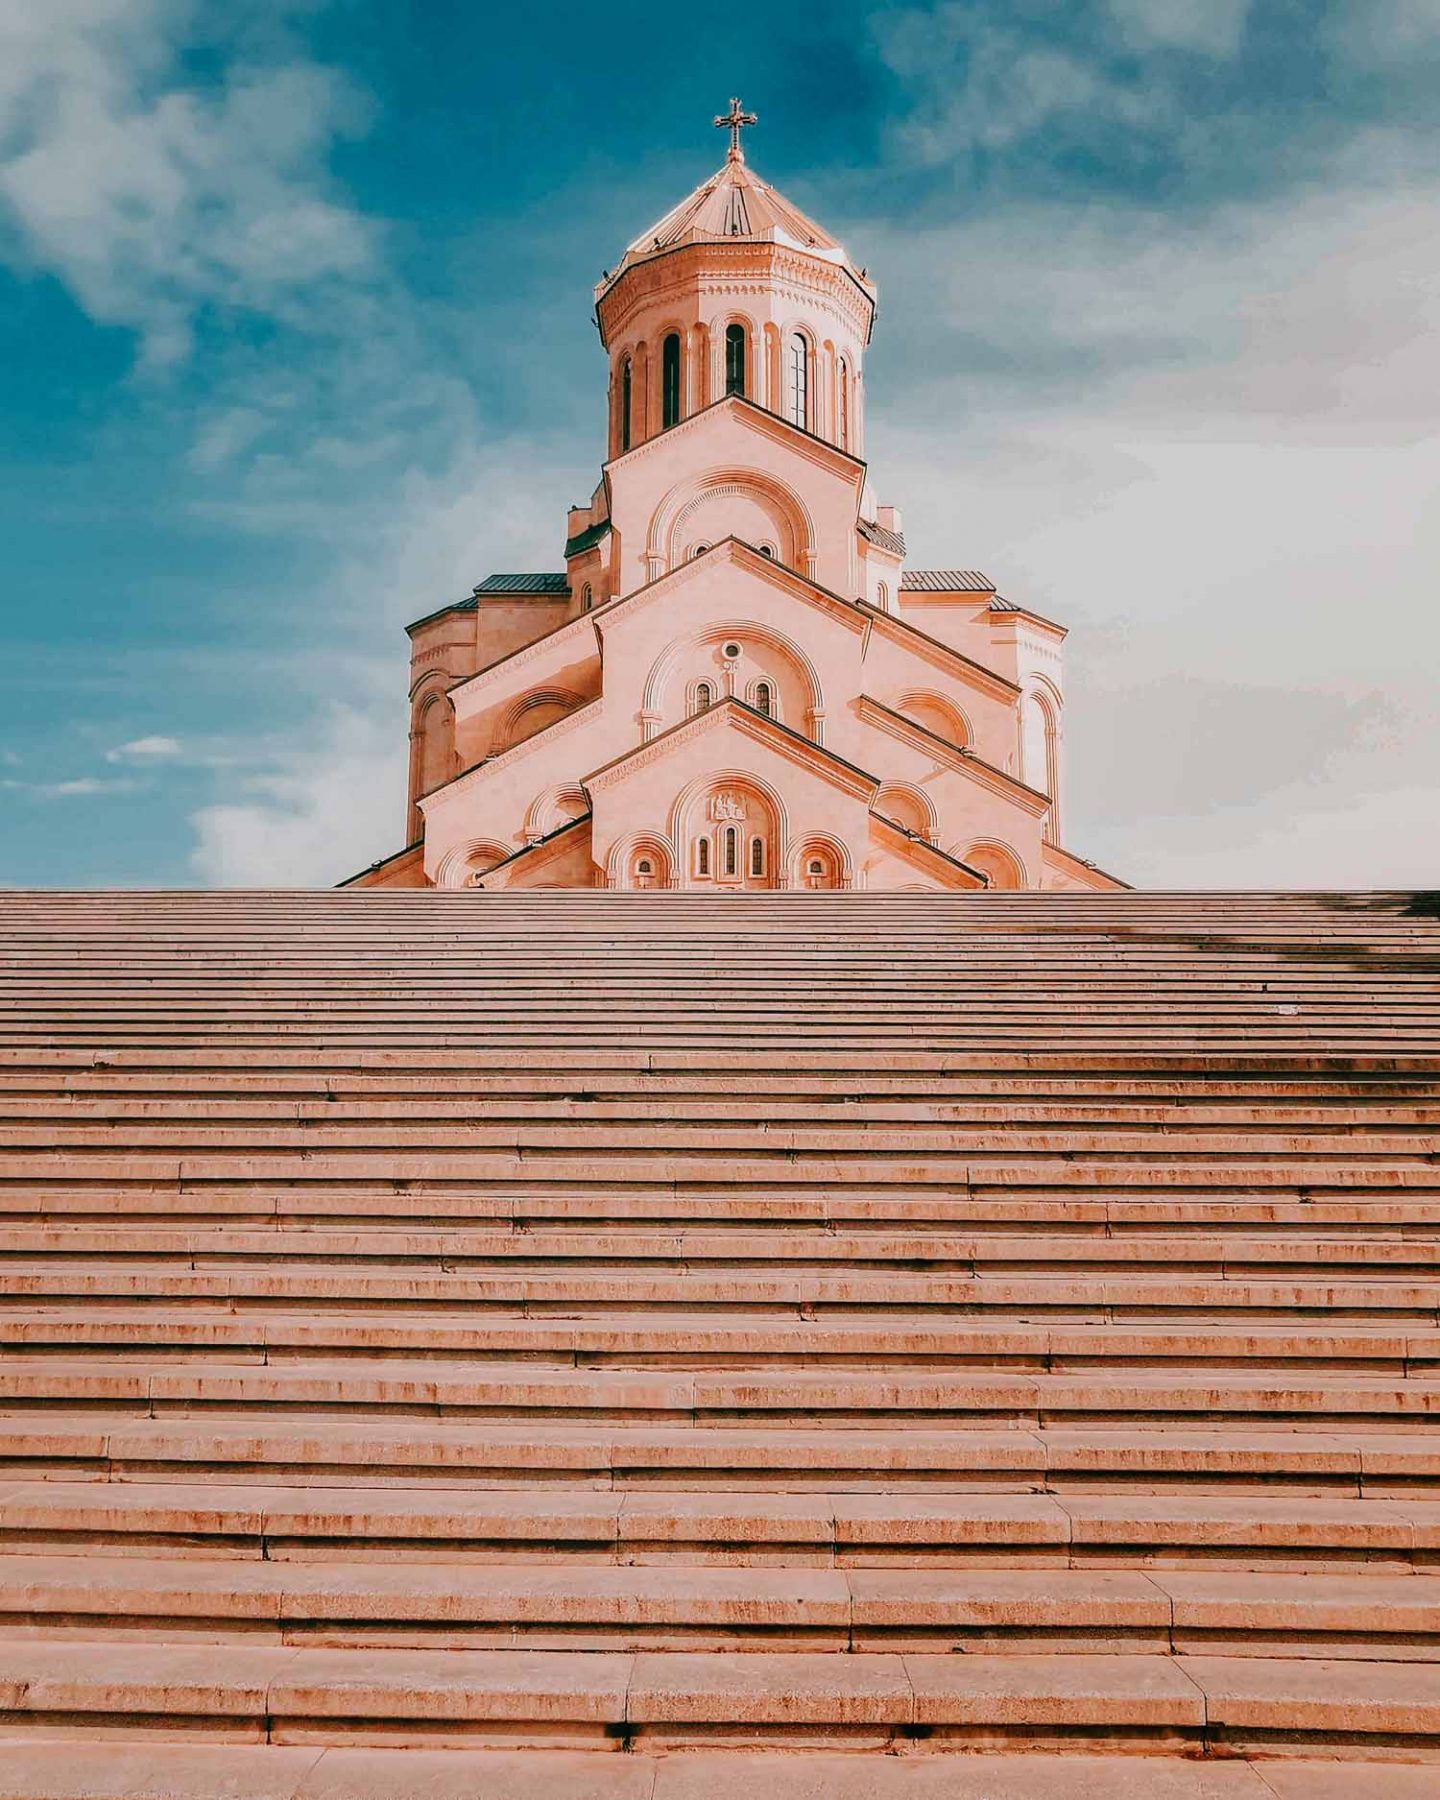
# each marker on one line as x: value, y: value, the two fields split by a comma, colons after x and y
x: 733, y: 205
x: 914, y: 845
x: 788, y: 742
x: 946, y: 581
x: 956, y: 756
x: 524, y: 584
x: 556, y: 586
x: 586, y: 539
x: 885, y: 538
x: 540, y: 844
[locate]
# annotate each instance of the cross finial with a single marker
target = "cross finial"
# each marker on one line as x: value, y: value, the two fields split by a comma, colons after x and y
x: 735, y: 122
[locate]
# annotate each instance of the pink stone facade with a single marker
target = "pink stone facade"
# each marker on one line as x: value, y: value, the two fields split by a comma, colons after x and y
x: 736, y: 682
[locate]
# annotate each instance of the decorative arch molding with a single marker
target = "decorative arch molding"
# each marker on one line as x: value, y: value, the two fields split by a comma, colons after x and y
x: 657, y: 683
x: 475, y: 856
x: 664, y: 545
x: 832, y: 848
x: 626, y: 851
x: 1000, y: 864
x: 909, y: 807
x: 508, y: 731
x: 554, y: 807
x: 746, y: 779
x: 935, y: 710
x: 1041, y: 695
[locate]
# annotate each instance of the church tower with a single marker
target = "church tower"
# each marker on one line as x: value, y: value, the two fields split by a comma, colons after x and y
x: 735, y: 682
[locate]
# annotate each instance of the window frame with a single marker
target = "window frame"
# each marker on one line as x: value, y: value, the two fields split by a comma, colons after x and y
x: 737, y: 356
x: 672, y: 380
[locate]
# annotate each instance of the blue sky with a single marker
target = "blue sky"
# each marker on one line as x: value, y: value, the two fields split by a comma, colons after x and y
x: 297, y: 343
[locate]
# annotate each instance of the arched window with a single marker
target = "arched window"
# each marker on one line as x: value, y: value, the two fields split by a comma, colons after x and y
x: 768, y: 550
x: 699, y: 550
x: 702, y: 856
x: 627, y: 384
x: 799, y: 382
x: 735, y: 359
x: 704, y: 696
x: 764, y: 701
x: 587, y: 597
x: 882, y: 597
x: 844, y: 404
x: 670, y: 381
x: 757, y: 856
x: 815, y: 866
x: 732, y: 850
x: 644, y: 866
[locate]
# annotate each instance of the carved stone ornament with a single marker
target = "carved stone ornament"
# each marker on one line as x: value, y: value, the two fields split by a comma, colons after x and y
x: 726, y: 806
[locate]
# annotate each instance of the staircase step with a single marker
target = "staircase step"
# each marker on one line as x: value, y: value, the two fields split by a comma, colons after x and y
x: 279, y: 1524
x: 37, y: 1770
x: 655, y: 1702
x: 597, y: 1607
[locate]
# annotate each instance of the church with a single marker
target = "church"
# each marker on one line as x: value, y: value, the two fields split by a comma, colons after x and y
x: 736, y: 682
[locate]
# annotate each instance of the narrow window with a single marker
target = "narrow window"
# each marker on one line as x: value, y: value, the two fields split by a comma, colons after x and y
x: 587, y: 597
x: 626, y: 385
x: 732, y: 850
x: 764, y: 700
x: 882, y: 597
x: 844, y: 405
x: 735, y: 359
x: 704, y: 696
x: 670, y: 381
x: 799, y: 382
x: 757, y: 856
x: 702, y: 856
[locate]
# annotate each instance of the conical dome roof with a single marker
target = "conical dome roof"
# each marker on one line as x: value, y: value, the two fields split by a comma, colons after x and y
x: 734, y: 205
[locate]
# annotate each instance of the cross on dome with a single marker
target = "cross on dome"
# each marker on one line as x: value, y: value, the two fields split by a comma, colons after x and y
x: 735, y: 122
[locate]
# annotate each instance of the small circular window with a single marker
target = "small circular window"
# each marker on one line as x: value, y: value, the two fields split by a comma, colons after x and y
x: 730, y: 650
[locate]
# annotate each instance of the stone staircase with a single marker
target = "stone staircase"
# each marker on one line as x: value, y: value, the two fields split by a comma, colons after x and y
x: 634, y: 1347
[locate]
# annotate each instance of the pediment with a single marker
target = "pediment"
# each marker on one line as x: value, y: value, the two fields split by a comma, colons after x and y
x: 764, y: 739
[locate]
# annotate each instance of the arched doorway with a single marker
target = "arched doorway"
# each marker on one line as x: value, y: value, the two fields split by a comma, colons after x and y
x: 819, y: 868
x: 731, y: 839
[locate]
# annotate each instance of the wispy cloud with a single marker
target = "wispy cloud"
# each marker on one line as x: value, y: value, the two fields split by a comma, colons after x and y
x: 81, y: 787
x: 144, y: 749
x: 153, y: 198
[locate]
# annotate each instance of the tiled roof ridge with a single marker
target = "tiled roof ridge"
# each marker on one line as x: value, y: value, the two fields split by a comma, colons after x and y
x: 947, y: 581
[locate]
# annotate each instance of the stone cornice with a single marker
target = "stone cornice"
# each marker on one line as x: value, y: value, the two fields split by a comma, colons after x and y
x: 547, y: 734
x: 760, y: 419
x: 673, y: 270
x: 962, y: 761
x: 1084, y: 871
x: 517, y: 659
x: 921, y: 849
x: 742, y: 556
x: 544, y: 850
x: 940, y: 656
x: 733, y: 715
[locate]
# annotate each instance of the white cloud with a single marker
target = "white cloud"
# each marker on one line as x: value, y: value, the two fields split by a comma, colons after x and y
x: 979, y: 85
x: 1214, y: 27
x: 81, y: 787
x: 151, y: 200
x: 1207, y: 446
x: 329, y: 808
x: 144, y: 749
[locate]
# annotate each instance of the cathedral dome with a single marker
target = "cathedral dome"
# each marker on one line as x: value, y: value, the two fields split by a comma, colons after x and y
x: 735, y: 206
